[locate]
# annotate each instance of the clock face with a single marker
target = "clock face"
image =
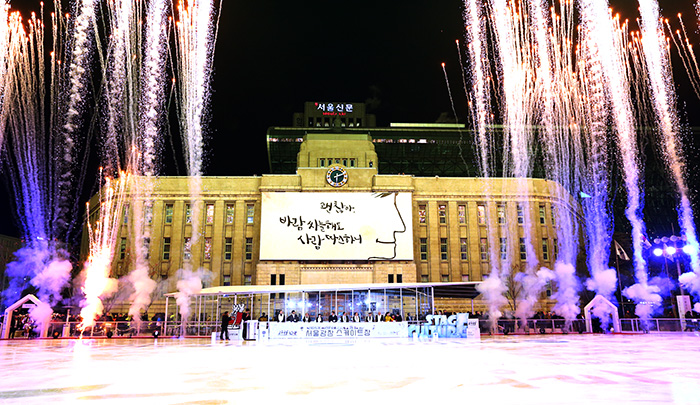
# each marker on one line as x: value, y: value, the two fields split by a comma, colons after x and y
x: 337, y: 176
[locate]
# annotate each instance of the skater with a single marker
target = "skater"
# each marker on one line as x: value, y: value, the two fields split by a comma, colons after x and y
x: 225, y: 319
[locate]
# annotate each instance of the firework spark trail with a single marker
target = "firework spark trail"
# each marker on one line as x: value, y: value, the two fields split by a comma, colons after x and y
x: 479, y: 97
x: 605, y: 31
x: 555, y: 144
x: 194, y: 42
x: 514, y: 28
x: 102, y: 237
x: 27, y: 135
x: 686, y: 54
x: 40, y: 262
x: 493, y: 287
x: 151, y: 110
x: 4, y: 56
x: 153, y: 85
x: 78, y: 78
x: 664, y: 105
x: 118, y: 133
x: 594, y: 117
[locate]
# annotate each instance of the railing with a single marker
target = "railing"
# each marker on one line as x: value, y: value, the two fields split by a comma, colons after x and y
x: 627, y: 325
x: 660, y: 325
x: 532, y: 326
x: 206, y: 328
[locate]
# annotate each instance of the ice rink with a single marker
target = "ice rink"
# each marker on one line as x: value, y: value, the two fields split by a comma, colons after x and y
x: 550, y: 369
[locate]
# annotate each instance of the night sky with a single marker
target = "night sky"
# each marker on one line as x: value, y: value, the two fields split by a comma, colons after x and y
x: 272, y: 56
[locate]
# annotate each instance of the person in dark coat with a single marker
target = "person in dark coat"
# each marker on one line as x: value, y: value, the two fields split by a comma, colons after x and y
x: 225, y: 319
x: 244, y: 321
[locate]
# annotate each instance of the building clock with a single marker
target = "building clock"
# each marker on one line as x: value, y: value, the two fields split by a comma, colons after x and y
x: 337, y: 176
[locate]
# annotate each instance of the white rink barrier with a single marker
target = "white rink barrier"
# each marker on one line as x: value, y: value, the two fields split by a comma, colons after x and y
x: 334, y: 330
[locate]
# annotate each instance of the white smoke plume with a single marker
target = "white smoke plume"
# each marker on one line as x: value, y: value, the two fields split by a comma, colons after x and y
x: 533, y: 284
x: 189, y: 283
x: 566, y: 295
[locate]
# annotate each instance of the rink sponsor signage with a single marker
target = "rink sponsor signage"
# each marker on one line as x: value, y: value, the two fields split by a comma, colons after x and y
x: 454, y: 326
x: 332, y: 330
x: 333, y: 226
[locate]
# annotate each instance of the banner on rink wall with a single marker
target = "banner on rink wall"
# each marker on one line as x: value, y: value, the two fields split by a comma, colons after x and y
x: 336, y: 226
x: 331, y: 330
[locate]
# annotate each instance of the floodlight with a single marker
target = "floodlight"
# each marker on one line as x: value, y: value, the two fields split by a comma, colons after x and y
x: 689, y: 249
x: 658, y: 252
x: 670, y: 250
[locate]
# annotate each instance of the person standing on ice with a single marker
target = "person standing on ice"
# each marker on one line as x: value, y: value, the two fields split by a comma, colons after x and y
x: 225, y: 319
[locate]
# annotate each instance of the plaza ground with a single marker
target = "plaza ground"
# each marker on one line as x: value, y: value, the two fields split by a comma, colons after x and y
x: 561, y: 369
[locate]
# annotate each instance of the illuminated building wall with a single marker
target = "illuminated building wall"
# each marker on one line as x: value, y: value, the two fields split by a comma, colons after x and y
x: 446, y: 222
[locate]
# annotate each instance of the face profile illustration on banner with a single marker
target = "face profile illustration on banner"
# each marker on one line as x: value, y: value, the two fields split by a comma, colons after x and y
x: 336, y: 226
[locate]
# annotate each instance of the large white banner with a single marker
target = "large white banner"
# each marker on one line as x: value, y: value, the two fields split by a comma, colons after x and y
x: 336, y: 226
x: 331, y: 330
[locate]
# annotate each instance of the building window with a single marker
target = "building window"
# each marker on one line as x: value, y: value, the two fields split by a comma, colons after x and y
x: 122, y: 249
x: 523, y: 249
x: 542, y: 214
x: 555, y: 249
x: 443, y: 248
x: 424, y: 278
x: 442, y: 213
x: 463, y: 248
x: 503, y: 243
x: 210, y: 214
x: 481, y: 214
x: 148, y: 213
x: 249, y: 249
x: 250, y: 214
x: 187, y: 249
x: 229, y: 213
x: 445, y: 278
x: 168, y: 213
x: 247, y: 280
x: 166, y: 248
x: 390, y: 278
x: 399, y: 278
x: 424, y: 249
x: 227, y: 280
x: 125, y: 217
x: 501, y: 212
x: 188, y: 214
x: 273, y: 279
x: 484, y: 249
x: 146, y: 248
x: 421, y: 214
x: 465, y: 277
x: 554, y: 216
x: 521, y: 215
x: 207, y: 249
x: 462, y: 214
x: 228, y: 248
x: 545, y: 249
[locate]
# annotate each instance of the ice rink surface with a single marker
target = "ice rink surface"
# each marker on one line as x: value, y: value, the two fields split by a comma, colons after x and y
x: 549, y: 369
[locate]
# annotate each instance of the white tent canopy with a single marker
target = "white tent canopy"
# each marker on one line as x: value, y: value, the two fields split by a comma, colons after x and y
x: 599, y: 301
x: 17, y: 304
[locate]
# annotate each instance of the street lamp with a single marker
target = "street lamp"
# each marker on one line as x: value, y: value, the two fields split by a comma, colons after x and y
x: 668, y: 247
x: 668, y: 251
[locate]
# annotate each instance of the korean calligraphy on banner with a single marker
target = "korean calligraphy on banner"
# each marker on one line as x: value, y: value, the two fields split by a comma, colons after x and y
x: 329, y: 330
x: 336, y: 226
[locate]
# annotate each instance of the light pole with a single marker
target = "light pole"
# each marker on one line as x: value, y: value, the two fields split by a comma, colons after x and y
x: 668, y: 247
